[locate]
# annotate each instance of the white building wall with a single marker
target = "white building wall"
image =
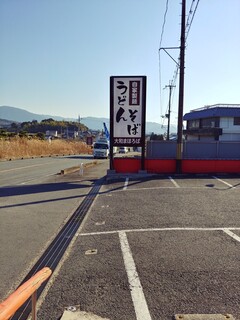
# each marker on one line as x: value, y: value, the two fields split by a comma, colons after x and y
x: 52, y: 133
x: 230, y: 137
x: 231, y: 132
x: 225, y: 122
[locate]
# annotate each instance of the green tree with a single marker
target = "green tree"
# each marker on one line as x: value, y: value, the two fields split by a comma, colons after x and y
x: 23, y: 134
x: 40, y: 135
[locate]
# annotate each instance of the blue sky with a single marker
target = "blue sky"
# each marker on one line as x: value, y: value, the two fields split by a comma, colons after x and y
x: 57, y: 56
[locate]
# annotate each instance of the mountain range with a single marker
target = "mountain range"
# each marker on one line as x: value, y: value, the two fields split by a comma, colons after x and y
x: 13, y: 114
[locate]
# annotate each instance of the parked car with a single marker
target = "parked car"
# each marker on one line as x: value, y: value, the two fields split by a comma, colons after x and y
x: 123, y: 150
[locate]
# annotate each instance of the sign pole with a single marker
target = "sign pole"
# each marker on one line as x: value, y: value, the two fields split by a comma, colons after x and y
x: 111, y: 162
x: 144, y: 94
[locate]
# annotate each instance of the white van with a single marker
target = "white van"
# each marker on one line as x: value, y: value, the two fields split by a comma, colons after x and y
x: 100, y: 150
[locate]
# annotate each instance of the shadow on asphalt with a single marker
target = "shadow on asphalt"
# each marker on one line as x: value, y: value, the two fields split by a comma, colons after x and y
x: 41, y: 188
x: 53, y: 187
x: 79, y: 184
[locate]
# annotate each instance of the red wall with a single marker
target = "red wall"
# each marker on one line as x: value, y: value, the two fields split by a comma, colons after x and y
x: 131, y: 165
x: 160, y: 165
x: 127, y: 165
x: 211, y: 166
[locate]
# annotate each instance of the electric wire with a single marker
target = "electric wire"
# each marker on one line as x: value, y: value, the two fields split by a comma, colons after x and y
x: 159, y: 54
x: 163, y: 26
x: 191, y: 13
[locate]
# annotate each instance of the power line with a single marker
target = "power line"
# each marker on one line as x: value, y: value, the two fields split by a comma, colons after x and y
x: 159, y: 56
x: 191, y: 17
x: 160, y: 82
x: 164, y: 22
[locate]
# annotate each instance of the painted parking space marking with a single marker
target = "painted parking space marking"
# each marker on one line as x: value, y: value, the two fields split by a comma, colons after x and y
x: 138, y: 298
x: 226, y: 183
x: 160, y: 229
x: 152, y: 188
x: 128, y: 238
x: 126, y: 184
x: 145, y: 188
x: 174, y: 182
x: 231, y: 234
x: 131, y: 265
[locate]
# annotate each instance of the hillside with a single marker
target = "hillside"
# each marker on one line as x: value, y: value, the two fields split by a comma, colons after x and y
x: 21, y: 115
x: 5, y: 123
x: 14, y: 114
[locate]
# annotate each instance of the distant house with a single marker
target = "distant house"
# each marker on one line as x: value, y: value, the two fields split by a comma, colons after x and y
x: 51, y: 133
x: 219, y: 122
x: 70, y: 134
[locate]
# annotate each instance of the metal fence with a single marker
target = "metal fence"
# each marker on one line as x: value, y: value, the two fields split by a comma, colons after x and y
x: 194, y: 150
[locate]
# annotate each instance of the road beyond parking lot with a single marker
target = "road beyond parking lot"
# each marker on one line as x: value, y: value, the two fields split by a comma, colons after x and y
x: 151, y: 248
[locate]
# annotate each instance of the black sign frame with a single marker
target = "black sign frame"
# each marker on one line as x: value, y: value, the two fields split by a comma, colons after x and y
x: 125, y: 102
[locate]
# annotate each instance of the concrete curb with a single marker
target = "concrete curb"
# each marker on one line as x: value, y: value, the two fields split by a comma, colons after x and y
x: 113, y: 175
x: 77, y: 168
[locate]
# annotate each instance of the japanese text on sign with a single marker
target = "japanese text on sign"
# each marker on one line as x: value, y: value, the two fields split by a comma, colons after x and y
x: 127, y: 109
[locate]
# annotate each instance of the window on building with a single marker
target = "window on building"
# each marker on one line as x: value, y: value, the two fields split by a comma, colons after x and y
x: 236, y: 121
x: 210, y: 123
x: 193, y: 124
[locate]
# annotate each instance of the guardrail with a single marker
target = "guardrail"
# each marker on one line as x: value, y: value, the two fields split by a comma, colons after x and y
x: 9, y: 306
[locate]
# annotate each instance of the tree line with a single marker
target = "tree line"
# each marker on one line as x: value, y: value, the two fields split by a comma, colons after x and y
x: 50, y: 124
x: 40, y: 128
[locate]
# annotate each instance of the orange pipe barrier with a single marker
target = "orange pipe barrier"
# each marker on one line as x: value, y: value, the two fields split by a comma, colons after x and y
x: 9, y: 306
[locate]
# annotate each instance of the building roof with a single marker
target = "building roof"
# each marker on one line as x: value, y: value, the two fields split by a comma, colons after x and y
x: 217, y: 110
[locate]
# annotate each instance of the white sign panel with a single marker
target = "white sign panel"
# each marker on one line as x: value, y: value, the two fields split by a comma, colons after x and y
x: 128, y: 109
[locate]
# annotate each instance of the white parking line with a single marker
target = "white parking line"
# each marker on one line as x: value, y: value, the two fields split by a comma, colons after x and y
x: 174, y: 182
x: 231, y: 234
x: 138, y: 298
x: 228, y: 184
x: 157, y: 229
x: 126, y: 184
x: 157, y: 188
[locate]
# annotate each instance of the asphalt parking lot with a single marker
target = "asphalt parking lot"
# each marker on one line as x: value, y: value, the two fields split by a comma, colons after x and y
x: 150, y: 248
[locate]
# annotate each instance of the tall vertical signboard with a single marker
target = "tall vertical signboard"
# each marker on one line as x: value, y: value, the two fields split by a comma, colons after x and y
x: 127, y: 113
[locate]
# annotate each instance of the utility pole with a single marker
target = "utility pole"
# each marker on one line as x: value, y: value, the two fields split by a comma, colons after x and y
x: 181, y: 91
x: 170, y: 86
x: 79, y: 126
